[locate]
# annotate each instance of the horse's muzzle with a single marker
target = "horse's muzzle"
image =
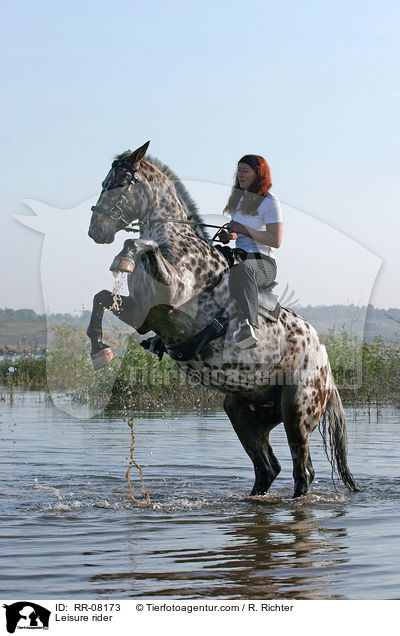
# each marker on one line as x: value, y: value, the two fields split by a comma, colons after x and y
x: 102, y: 227
x: 100, y: 235
x: 100, y: 210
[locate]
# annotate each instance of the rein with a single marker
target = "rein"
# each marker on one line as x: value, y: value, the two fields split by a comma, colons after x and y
x: 129, y: 224
x: 219, y: 227
x: 116, y: 215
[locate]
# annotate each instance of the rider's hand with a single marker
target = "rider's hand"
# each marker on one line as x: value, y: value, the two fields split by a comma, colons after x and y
x: 225, y: 236
x: 235, y: 227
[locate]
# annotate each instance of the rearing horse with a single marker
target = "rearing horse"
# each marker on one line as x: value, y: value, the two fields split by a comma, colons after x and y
x: 180, y: 281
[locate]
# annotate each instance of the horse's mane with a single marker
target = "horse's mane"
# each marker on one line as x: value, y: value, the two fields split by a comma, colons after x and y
x: 184, y: 197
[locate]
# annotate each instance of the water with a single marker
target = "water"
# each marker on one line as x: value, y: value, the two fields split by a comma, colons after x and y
x: 69, y: 530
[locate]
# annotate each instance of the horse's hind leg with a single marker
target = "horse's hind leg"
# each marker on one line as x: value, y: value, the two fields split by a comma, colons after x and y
x: 252, y: 428
x: 298, y: 427
x: 303, y: 471
x: 123, y: 308
x: 310, y: 469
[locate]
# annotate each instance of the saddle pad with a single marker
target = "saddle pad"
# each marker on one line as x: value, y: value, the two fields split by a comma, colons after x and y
x: 269, y: 306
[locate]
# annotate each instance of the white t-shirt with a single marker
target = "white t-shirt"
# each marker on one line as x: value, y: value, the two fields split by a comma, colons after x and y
x: 269, y: 211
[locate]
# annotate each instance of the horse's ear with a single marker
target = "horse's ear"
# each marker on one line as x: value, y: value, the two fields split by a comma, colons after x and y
x: 138, y: 154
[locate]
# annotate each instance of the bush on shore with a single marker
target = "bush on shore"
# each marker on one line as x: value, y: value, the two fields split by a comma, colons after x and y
x: 24, y: 370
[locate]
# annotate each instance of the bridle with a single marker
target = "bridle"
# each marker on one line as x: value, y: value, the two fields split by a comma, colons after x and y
x: 116, y: 215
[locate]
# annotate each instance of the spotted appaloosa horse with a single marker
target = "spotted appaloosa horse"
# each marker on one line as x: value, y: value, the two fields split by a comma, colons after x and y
x: 179, y: 283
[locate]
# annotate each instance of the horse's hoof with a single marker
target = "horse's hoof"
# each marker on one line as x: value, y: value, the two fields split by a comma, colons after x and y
x: 102, y: 358
x: 299, y: 493
x: 259, y: 492
x: 122, y: 264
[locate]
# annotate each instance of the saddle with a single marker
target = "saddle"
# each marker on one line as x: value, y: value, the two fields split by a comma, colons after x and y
x: 268, y: 304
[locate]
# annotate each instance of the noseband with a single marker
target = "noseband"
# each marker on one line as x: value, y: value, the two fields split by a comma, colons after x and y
x: 115, y: 213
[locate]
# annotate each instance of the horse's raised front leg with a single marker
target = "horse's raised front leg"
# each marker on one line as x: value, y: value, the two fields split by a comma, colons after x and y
x: 121, y: 306
x: 252, y: 426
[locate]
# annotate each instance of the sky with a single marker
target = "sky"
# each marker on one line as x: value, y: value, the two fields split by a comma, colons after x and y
x: 311, y: 86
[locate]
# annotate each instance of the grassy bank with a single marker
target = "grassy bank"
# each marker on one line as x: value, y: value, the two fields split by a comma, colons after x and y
x: 24, y: 370
x: 367, y: 373
x: 134, y: 377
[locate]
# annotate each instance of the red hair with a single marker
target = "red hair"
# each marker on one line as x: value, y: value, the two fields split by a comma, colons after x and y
x: 259, y: 188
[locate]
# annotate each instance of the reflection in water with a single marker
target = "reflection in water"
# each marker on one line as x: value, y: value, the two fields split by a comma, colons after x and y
x: 279, y: 558
x: 268, y: 552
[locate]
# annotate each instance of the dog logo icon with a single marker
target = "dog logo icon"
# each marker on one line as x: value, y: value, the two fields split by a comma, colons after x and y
x: 26, y: 615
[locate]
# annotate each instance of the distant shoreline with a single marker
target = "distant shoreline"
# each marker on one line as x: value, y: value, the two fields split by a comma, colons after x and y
x: 25, y: 330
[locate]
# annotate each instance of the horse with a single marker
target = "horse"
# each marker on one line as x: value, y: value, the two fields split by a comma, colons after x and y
x: 179, y: 283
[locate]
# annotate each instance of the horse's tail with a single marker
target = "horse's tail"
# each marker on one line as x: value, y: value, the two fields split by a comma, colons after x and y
x: 337, y: 454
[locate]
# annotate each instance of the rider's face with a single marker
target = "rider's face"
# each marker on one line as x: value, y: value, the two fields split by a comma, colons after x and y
x: 246, y: 175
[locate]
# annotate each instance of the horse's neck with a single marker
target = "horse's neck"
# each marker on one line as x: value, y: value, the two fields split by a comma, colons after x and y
x: 165, y: 209
x: 160, y: 223
x: 166, y: 220
x: 196, y: 265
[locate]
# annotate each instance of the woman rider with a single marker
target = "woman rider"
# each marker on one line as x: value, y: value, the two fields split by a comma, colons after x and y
x: 257, y: 225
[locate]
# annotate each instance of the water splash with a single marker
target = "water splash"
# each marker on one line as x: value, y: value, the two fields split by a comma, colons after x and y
x: 40, y: 487
x: 129, y: 418
x: 119, y: 282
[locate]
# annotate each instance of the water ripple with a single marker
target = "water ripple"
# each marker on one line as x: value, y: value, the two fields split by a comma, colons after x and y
x: 69, y: 528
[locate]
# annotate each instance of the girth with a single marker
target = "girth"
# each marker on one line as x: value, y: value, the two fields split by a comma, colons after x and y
x: 186, y: 350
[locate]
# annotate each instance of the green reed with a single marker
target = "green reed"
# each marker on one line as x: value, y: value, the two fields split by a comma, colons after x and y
x: 367, y: 373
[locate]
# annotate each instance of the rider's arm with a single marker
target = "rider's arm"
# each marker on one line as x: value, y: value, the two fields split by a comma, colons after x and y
x: 271, y: 236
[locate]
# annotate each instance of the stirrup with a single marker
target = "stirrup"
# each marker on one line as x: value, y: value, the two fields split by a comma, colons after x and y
x: 244, y: 337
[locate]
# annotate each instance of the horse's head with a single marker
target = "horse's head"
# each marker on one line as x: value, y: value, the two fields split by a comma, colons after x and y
x: 124, y: 197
